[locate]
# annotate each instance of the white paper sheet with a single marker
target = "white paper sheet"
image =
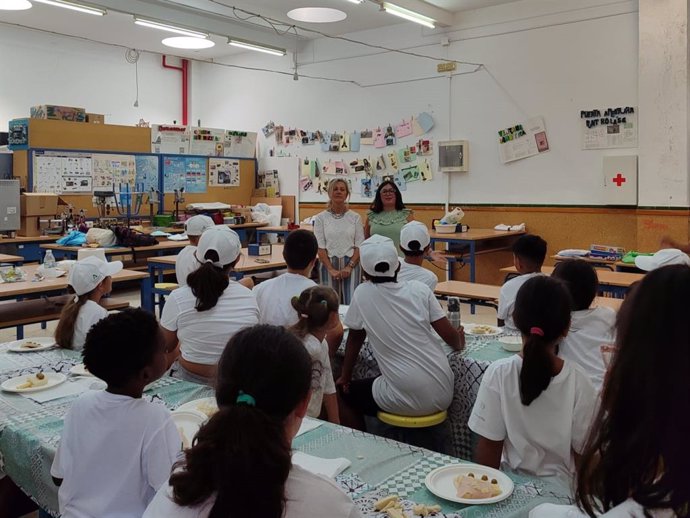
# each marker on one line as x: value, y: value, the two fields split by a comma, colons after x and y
x: 319, y: 466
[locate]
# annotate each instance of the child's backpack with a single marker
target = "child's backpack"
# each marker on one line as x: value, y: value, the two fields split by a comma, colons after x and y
x: 131, y: 238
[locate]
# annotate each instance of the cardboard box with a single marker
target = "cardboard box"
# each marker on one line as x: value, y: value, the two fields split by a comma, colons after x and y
x: 29, y: 226
x: 63, y: 113
x: 259, y: 249
x: 95, y: 118
x: 38, y: 204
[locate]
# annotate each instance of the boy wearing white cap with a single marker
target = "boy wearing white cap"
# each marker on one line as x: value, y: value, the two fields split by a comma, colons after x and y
x: 207, y: 312
x: 414, y: 243
x: 90, y: 279
x: 399, y: 319
x: 186, y: 263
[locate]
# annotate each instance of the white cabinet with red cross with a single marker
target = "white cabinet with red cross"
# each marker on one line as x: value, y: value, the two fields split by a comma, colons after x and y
x: 620, y: 180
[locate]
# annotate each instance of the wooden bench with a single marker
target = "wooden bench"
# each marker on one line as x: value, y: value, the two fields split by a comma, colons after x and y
x: 38, y: 311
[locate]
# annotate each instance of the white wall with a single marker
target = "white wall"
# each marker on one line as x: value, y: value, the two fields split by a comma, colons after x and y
x: 554, y: 69
x: 39, y: 68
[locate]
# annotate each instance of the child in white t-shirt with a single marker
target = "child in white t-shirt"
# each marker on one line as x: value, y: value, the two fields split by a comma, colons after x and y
x: 529, y: 252
x: 241, y: 461
x: 533, y: 410
x: 186, y: 261
x: 400, y: 319
x: 635, y: 462
x: 117, y: 449
x: 90, y: 279
x: 590, y: 327
x: 317, y: 310
x: 414, y: 243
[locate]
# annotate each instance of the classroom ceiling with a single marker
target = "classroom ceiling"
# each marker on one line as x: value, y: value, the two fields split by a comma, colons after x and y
x: 221, y: 18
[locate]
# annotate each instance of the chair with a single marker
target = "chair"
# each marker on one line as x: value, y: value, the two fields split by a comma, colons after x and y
x: 428, y: 431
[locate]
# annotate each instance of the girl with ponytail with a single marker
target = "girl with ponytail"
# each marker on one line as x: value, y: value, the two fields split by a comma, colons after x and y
x: 533, y: 410
x: 317, y: 308
x: 240, y: 462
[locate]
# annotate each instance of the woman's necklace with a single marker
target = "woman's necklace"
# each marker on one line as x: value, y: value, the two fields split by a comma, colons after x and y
x: 337, y: 215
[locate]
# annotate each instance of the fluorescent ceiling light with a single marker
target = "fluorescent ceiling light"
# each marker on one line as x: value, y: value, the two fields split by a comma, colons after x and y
x: 317, y: 15
x: 188, y: 42
x: 408, y: 15
x: 14, y: 5
x: 152, y: 24
x: 267, y: 49
x: 82, y: 8
x: 355, y: 1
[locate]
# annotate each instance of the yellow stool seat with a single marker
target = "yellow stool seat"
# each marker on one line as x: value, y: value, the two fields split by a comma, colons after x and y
x: 422, y: 421
x: 166, y: 286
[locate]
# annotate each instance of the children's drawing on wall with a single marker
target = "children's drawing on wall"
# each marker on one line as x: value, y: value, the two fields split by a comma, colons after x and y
x: 393, y: 161
x: 366, y: 137
x: 425, y: 171
x: 365, y: 187
x: 411, y: 173
x: 390, y: 136
x: 305, y: 183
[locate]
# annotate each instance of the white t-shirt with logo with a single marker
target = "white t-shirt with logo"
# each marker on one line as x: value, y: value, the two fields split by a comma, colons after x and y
x: 203, y: 335
x: 89, y: 314
x: 114, y: 454
x: 413, y: 272
x: 322, y: 375
x: 627, y: 509
x: 589, y: 330
x: 185, y: 263
x: 507, y: 295
x: 538, y: 439
x: 274, y: 298
x: 307, y: 495
x: 416, y: 378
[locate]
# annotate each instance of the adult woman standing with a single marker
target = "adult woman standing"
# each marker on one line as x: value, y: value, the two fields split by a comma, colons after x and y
x: 387, y: 214
x: 339, y: 233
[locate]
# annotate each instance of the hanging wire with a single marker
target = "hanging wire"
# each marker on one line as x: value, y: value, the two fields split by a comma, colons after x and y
x: 132, y: 56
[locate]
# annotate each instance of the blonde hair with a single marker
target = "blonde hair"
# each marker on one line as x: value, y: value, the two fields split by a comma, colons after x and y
x: 331, y: 187
x: 314, y: 307
x: 64, y: 332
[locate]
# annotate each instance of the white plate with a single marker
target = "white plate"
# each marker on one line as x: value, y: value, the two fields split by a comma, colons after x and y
x: 202, y: 405
x: 54, y: 379
x: 45, y: 342
x: 440, y: 483
x: 469, y: 329
x: 80, y: 370
x: 511, y: 343
x: 188, y: 423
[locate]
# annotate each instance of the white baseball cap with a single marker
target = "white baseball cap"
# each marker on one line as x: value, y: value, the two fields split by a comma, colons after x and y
x: 375, y: 251
x: 224, y: 241
x: 196, y: 225
x: 664, y: 257
x: 88, y: 273
x: 414, y: 231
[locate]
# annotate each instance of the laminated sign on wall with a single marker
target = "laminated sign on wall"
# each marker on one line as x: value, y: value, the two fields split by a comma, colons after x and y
x: 620, y: 180
x: 609, y: 128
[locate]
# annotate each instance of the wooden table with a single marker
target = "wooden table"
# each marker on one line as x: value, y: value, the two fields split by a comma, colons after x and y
x: 164, y: 246
x: 474, y: 241
x: 616, y: 283
x: 282, y: 230
x: 158, y: 266
x: 6, y: 258
x: 27, y: 247
x: 617, y: 266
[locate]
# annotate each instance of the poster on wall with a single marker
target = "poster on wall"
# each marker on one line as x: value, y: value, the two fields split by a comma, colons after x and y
x: 239, y: 144
x: 195, y: 175
x: 76, y: 184
x: 47, y: 173
x: 269, y: 180
x: 169, y: 138
x: 18, y: 134
x: 173, y: 173
x: 109, y: 170
x: 206, y: 141
x: 523, y: 140
x: 147, y: 172
x: 58, y: 172
x: 609, y: 128
x: 223, y: 172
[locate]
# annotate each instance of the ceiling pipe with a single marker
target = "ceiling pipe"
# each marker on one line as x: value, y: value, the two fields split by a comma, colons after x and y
x: 185, y: 82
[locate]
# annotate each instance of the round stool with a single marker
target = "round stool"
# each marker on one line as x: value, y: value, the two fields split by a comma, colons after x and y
x: 422, y: 421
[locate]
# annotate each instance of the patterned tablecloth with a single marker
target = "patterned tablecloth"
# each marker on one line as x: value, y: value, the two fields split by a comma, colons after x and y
x: 468, y: 367
x: 30, y: 431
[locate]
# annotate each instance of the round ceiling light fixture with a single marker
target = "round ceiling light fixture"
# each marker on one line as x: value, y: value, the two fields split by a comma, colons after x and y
x: 317, y: 15
x: 15, y: 5
x: 188, y: 42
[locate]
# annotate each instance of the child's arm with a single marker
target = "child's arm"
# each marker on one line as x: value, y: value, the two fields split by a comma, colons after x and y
x: 172, y: 345
x: 488, y: 452
x: 330, y: 401
x: 355, y: 340
x: 455, y: 338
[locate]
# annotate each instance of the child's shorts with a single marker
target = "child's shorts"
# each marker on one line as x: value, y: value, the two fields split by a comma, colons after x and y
x: 360, y: 396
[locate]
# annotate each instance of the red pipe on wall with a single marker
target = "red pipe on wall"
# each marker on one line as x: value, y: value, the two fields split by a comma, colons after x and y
x: 185, y: 94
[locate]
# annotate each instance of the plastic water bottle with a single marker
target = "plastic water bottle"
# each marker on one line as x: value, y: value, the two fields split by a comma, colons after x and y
x: 49, y: 260
x: 454, y: 311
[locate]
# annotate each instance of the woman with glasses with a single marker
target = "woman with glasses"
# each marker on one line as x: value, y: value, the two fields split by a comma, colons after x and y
x: 387, y: 214
x: 339, y: 233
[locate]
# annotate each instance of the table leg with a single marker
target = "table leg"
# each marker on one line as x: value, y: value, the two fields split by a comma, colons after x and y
x: 146, y: 286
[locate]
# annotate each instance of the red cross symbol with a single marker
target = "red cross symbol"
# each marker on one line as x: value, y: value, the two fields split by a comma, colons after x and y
x: 619, y: 180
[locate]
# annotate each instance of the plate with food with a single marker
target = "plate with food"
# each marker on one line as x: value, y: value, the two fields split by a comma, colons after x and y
x: 188, y: 423
x: 482, y: 330
x: 206, y: 406
x: 27, y: 345
x: 33, y: 382
x: 469, y: 484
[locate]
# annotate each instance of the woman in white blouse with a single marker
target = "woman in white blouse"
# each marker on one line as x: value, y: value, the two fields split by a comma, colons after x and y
x: 339, y: 232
